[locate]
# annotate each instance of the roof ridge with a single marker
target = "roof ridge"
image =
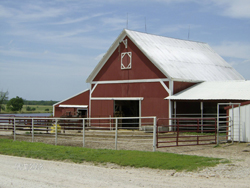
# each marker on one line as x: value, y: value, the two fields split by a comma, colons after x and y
x: 164, y: 36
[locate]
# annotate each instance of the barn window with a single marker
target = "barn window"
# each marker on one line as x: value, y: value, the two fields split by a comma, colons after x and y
x: 126, y: 60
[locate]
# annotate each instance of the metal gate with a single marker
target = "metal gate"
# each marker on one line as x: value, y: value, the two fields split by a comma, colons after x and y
x: 171, y: 132
x: 229, y: 127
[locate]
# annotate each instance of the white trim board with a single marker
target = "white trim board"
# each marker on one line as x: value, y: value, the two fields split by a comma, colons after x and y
x: 72, y: 106
x: 118, y: 98
x: 70, y: 97
x: 130, y: 81
x: 161, y: 81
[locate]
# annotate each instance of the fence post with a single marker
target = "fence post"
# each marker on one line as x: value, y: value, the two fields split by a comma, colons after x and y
x: 198, y: 128
x: 218, y: 120
x: 116, y: 132
x: 215, y: 130
x: 14, y: 129
x: 83, y: 133
x: 154, y: 134
x: 239, y: 123
x: 56, y: 132
x: 177, y: 136
x: 110, y: 124
x: 32, y: 130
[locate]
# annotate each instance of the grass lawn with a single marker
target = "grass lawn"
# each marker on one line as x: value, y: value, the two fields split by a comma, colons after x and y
x: 157, y: 160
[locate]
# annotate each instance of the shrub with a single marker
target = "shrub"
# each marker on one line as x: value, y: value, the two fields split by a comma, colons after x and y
x: 28, y: 108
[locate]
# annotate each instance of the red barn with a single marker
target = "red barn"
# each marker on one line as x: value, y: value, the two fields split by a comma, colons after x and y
x: 74, y: 106
x: 140, y: 70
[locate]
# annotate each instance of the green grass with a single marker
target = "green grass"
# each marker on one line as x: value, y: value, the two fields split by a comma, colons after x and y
x: 39, y: 109
x: 200, y: 134
x: 157, y: 160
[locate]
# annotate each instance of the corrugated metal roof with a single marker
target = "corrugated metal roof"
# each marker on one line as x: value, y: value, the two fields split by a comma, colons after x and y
x: 184, y: 60
x: 217, y: 90
x: 177, y: 59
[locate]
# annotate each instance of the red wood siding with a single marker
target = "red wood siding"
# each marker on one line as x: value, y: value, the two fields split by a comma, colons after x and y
x: 142, y: 68
x: 150, y: 90
x: 153, y: 103
x: 102, y: 108
x: 180, y: 86
x: 155, y: 107
x: 81, y: 99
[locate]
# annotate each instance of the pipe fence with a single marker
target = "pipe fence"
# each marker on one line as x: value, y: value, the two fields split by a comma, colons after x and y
x: 138, y: 133
x: 185, y: 132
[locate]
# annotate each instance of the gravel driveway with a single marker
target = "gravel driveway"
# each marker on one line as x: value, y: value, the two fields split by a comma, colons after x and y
x: 25, y: 172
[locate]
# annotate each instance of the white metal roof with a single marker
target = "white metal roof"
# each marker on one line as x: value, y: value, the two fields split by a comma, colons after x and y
x: 216, y: 90
x: 177, y: 59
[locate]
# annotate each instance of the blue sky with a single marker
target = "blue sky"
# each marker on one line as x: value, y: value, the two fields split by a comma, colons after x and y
x: 49, y: 47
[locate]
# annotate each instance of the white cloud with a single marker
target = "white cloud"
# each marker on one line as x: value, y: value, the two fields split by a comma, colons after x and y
x: 80, y: 19
x: 230, y: 8
x: 44, y: 56
x: 99, y: 57
x: 30, y: 13
x: 177, y: 28
x: 233, y: 49
x: 114, y: 23
x: 234, y: 8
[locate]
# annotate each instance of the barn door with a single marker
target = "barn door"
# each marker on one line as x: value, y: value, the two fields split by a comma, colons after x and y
x: 127, y: 108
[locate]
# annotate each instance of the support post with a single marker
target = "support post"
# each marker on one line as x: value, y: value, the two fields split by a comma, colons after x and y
x: 218, y: 124
x: 232, y: 127
x: 14, y: 129
x: 116, y: 132
x: 110, y: 124
x: 171, y: 92
x: 239, y: 124
x: 90, y: 92
x: 56, y: 132
x: 154, y: 134
x: 170, y: 116
x: 83, y: 133
x: 201, y: 117
x: 32, y: 130
x: 178, y: 132
x: 175, y: 116
x: 198, y: 131
x: 140, y: 115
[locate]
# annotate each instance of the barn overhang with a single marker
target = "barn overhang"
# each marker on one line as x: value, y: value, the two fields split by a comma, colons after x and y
x: 237, y: 90
x: 73, y: 106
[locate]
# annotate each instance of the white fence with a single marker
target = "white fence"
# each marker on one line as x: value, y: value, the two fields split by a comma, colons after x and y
x: 112, y: 133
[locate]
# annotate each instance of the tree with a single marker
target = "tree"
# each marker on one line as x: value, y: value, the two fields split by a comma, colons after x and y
x: 15, y: 104
x: 3, y: 97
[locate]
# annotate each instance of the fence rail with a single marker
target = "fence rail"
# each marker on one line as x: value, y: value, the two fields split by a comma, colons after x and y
x: 110, y: 132
x: 140, y: 133
x: 173, y: 132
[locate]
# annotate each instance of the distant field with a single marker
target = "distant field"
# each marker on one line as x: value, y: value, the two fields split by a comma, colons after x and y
x: 38, y: 109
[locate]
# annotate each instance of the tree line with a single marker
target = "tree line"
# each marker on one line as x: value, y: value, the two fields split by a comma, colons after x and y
x: 42, y: 102
x: 16, y: 104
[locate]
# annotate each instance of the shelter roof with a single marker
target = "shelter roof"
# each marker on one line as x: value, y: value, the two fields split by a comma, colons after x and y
x: 179, y: 60
x: 216, y: 90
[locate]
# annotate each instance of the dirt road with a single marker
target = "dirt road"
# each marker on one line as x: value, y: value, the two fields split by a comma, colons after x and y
x: 25, y: 172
